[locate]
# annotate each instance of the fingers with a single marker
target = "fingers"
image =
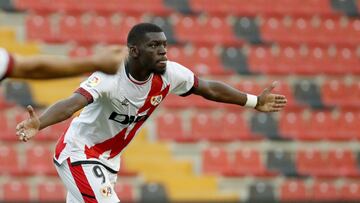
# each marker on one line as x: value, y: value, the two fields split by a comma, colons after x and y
x: 271, y: 87
x: 31, y: 111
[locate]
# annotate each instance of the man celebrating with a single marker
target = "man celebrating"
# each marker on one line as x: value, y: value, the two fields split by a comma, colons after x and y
x: 87, y: 156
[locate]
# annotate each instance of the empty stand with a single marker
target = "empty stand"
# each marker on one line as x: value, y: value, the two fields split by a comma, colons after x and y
x: 261, y: 192
x: 294, y: 191
x: 16, y: 191
x: 350, y: 191
x: 312, y: 162
x: 170, y: 127
x: 38, y: 160
x: 215, y: 160
x: 324, y: 191
x: 248, y: 162
x: 216, y: 29
x: 51, y: 191
x: 10, y: 163
x: 282, y: 162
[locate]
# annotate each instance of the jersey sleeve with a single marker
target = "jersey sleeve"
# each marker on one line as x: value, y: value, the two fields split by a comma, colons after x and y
x: 182, y: 80
x: 96, y: 86
x: 6, y: 63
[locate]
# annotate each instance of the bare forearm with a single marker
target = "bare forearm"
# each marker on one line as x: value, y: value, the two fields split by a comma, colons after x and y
x: 56, y: 113
x: 40, y: 67
x: 221, y: 92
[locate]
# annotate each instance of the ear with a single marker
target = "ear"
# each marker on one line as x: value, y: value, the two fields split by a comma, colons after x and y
x: 133, y: 51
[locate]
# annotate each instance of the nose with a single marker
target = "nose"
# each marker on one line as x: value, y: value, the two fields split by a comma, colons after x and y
x: 162, y: 50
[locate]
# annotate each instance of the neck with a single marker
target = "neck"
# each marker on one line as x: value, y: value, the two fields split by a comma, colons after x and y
x: 136, y: 71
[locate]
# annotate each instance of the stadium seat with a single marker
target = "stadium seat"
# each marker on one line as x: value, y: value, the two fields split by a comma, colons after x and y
x: 51, y: 191
x: 7, y: 127
x: 71, y: 28
x: 201, y: 60
x: 312, y: 162
x: 321, y: 125
x: 38, y: 160
x: 170, y: 127
x: 261, y: 192
x: 80, y: 51
x: 235, y: 59
x: 216, y: 30
x: 343, y: 163
x: 291, y: 124
x: 125, y: 192
x: 205, y: 127
x: 350, y: 191
x: 7, y: 33
x: 281, y: 162
x: 324, y: 191
x: 235, y: 127
x: 16, y: 191
x: 248, y: 162
x: 215, y: 160
x: 294, y: 191
x: 34, y: 23
x: 336, y: 93
x: 348, y: 123
x: 9, y: 160
x: 307, y: 93
x: 264, y: 125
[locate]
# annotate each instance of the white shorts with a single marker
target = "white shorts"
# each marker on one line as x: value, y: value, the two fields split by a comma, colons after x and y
x: 88, y: 183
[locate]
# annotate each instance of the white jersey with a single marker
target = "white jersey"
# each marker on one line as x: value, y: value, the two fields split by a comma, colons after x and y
x: 118, y: 107
x: 6, y: 63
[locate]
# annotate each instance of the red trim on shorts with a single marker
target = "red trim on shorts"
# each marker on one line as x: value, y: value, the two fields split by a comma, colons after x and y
x: 117, y: 143
x: 82, y: 183
x: 86, y: 94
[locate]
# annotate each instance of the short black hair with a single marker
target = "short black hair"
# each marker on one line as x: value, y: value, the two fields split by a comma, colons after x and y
x: 137, y: 32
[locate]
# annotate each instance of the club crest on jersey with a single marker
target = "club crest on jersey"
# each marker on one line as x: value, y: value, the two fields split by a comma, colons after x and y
x: 155, y: 100
x: 93, y: 81
x: 106, y: 191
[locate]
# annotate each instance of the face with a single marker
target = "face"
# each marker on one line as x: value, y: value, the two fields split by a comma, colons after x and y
x: 152, y: 52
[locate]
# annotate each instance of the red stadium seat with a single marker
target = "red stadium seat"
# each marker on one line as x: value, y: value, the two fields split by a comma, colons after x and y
x: 39, y: 160
x: 291, y: 124
x: 215, y: 160
x: 235, y: 127
x: 312, y: 162
x: 343, y: 163
x: 7, y: 127
x: 216, y: 30
x: 51, y: 191
x: 294, y: 190
x: 348, y: 124
x: 170, y: 127
x: 16, y: 191
x: 322, y: 125
x: 201, y: 60
x: 125, y: 192
x: 324, y: 191
x: 205, y: 127
x: 248, y: 162
x: 9, y: 160
x: 350, y: 192
x: 72, y: 28
x: 80, y: 51
x: 335, y: 92
x: 34, y: 23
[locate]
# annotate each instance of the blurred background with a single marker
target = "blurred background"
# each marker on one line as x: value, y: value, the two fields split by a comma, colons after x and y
x: 192, y: 150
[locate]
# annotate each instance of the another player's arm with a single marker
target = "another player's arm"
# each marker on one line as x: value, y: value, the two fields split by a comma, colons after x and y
x: 220, y: 92
x: 46, y: 67
x: 56, y: 113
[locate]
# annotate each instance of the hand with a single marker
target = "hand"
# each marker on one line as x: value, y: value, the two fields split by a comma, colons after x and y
x: 29, y: 127
x: 109, y: 58
x: 268, y: 102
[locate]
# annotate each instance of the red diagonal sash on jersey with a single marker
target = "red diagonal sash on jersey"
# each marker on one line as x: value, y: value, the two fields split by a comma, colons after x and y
x: 117, y: 143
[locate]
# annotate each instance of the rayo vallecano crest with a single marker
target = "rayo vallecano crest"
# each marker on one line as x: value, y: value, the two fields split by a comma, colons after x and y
x: 155, y: 100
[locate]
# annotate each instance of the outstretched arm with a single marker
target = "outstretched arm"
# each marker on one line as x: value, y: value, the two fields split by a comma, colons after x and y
x: 47, y: 67
x: 220, y: 92
x: 56, y: 113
